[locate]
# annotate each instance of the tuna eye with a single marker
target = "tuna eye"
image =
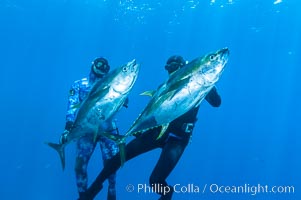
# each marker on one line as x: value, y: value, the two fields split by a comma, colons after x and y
x: 211, y: 57
x: 124, y: 69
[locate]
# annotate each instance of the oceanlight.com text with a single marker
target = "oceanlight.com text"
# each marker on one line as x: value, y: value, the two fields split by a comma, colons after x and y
x: 192, y: 188
x: 251, y: 189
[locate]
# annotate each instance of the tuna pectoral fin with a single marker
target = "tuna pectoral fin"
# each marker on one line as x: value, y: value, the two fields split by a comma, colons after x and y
x: 61, y: 150
x: 163, y: 130
x: 122, y: 153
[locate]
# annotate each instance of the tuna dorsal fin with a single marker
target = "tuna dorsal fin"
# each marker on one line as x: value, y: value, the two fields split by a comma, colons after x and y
x: 148, y: 93
x: 163, y: 130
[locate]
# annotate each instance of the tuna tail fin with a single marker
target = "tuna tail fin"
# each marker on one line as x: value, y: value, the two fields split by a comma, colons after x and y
x: 61, y: 151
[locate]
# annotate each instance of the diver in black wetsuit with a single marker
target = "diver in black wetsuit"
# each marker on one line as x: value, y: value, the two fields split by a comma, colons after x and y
x: 172, y: 143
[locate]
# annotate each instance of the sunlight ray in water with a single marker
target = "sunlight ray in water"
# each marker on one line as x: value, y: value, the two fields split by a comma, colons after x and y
x: 277, y: 1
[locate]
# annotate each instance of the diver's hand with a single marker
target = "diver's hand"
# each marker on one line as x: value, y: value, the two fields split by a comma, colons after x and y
x: 69, y: 125
x: 63, y: 138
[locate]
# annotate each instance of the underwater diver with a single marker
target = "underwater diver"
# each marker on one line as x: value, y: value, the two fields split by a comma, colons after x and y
x: 172, y: 143
x: 85, y: 145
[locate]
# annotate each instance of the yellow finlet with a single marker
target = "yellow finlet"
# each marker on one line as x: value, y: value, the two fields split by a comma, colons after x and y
x: 163, y: 130
x: 148, y: 93
x: 76, y: 106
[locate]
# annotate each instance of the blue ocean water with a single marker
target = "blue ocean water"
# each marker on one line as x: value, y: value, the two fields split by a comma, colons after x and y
x: 252, y: 139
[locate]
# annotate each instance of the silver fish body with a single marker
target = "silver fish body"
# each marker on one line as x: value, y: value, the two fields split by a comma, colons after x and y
x: 105, y: 99
x: 184, y: 90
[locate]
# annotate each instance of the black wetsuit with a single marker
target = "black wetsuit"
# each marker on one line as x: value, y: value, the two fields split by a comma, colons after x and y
x: 173, y: 144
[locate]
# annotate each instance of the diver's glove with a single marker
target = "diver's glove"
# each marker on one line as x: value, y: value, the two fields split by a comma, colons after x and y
x: 63, y: 138
x: 115, y: 130
x: 126, y: 103
x: 68, y: 127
